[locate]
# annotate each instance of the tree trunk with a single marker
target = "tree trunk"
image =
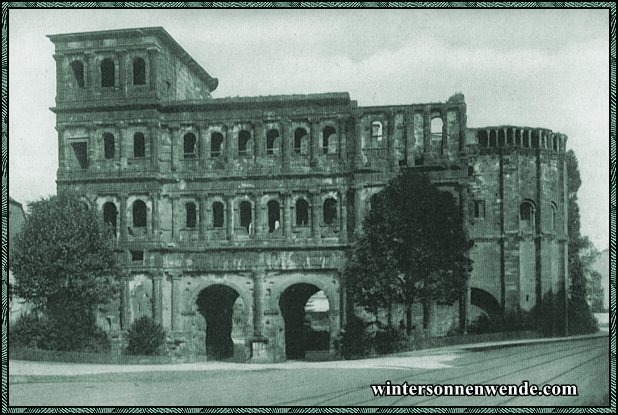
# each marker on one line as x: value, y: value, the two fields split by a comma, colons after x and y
x: 409, y: 320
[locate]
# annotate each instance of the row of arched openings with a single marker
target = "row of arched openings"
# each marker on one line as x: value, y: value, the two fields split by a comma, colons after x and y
x: 107, y: 69
x: 527, y: 216
x: 109, y: 146
x: 516, y: 137
x: 139, y: 214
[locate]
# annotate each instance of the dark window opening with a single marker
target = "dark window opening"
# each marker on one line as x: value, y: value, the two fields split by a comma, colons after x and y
x: 526, y: 215
x: 479, y: 209
x: 518, y: 142
x: 273, y: 216
x: 80, y: 150
x: 108, y: 73
x: 326, y: 134
x: 109, y: 146
x: 78, y: 73
x: 217, y: 215
x: 302, y: 212
x: 436, y: 129
x: 300, y: 141
x: 272, y: 142
x: 493, y: 139
x: 509, y: 137
x: 243, y: 139
x: 109, y: 215
x: 483, y: 139
x: 137, y: 256
x: 535, y: 139
x: 139, y: 145
x: 554, y: 217
x: 216, y: 144
x: 139, y: 71
x: 501, y: 138
x: 190, y: 146
x: 330, y: 211
x: 245, y: 215
x: 191, y: 215
x: 376, y: 133
x: 139, y: 214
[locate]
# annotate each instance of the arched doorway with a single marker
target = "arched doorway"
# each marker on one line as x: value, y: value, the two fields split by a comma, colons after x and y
x: 486, y: 310
x: 305, y: 311
x: 225, y: 313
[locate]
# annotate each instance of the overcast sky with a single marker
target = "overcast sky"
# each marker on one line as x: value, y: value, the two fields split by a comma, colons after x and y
x: 538, y: 68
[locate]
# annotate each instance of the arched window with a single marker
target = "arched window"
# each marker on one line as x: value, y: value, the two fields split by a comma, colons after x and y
x: 139, y: 214
x: 109, y: 146
x: 78, y: 73
x: 217, y: 215
x: 300, y: 141
x: 245, y: 215
x: 108, y: 73
x: 376, y: 133
x: 139, y: 71
x: 110, y: 214
x: 302, y: 212
x: 190, y: 146
x: 330, y: 211
x: 191, y: 215
x: 483, y: 139
x: 272, y: 142
x: 554, y: 218
x: 243, y: 139
x: 526, y: 215
x: 274, y: 221
x: 139, y: 145
x: 216, y: 144
x: 436, y: 129
x: 326, y: 137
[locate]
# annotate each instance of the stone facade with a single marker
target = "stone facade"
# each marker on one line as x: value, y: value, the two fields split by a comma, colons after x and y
x: 252, y: 202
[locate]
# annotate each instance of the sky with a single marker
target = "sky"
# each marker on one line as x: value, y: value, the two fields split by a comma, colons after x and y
x: 539, y: 68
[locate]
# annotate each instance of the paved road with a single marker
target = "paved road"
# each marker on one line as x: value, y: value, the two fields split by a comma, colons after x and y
x: 584, y: 363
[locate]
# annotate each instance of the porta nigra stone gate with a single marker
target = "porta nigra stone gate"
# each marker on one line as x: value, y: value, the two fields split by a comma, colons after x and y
x: 231, y: 213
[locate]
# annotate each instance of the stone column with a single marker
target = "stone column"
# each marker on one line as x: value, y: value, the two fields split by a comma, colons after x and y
x: 203, y: 209
x: 175, y: 145
x: 175, y: 215
x: 445, y: 141
x: 125, y: 308
x: 343, y: 217
x: 259, y: 140
x: 257, y: 214
x: 229, y: 219
x: 529, y: 138
x: 315, y: 141
x: 258, y: 310
x: 229, y: 144
x: 89, y: 73
x: 61, y: 76
x: 202, y: 145
x: 358, y: 212
x: 176, y: 300
x: 287, y: 215
x: 154, y: 145
x: 358, y: 145
x: 157, y: 300
x: 123, y: 147
x: 390, y: 140
x: 62, y: 156
x: 285, y: 141
x: 343, y: 146
x: 154, y: 197
x: 92, y: 146
x: 315, y: 215
x: 122, y: 70
x: 152, y: 60
x: 123, y: 216
x: 427, y: 130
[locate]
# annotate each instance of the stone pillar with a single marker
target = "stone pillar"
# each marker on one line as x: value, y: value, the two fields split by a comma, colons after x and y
x: 175, y: 215
x: 286, y: 137
x: 229, y: 217
x: 61, y: 76
x: 229, y: 144
x: 445, y: 142
x: 358, y: 212
x: 157, y: 300
x: 123, y: 147
x: 315, y: 141
x: 358, y: 145
x: 258, y: 310
x: 390, y: 140
x: 125, y: 309
x: 123, y: 216
x: 427, y: 130
x: 257, y: 214
x: 343, y: 139
x: 152, y: 61
x: 62, y: 156
x: 343, y: 217
x: 122, y: 70
x: 154, y: 145
x: 92, y: 146
x: 529, y: 138
x: 89, y: 73
x: 176, y: 299
x: 202, y: 145
x: 203, y: 209
x: 315, y: 215
x: 259, y: 140
x: 154, y: 197
x: 175, y: 146
x: 287, y: 215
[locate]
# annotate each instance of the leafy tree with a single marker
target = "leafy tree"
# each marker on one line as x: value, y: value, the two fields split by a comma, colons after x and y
x: 64, y: 263
x: 413, y: 248
x: 580, y: 256
x: 146, y: 337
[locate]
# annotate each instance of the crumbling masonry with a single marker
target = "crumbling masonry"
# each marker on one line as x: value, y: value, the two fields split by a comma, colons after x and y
x: 246, y: 206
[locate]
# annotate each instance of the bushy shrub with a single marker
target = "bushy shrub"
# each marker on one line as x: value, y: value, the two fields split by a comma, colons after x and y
x: 354, y: 341
x: 145, y: 337
x: 28, y: 330
x: 390, y: 340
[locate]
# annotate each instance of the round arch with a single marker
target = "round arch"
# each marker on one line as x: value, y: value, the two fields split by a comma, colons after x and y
x: 487, y: 303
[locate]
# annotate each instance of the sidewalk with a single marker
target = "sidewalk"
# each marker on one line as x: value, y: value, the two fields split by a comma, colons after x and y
x: 439, y: 358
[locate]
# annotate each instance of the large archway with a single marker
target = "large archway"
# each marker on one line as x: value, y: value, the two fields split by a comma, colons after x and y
x: 485, y: 307
x: 225, y: 313
x: 305, y: 310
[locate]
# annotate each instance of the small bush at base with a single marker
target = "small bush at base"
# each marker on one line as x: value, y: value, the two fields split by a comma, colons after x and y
x: 28, y: 330
x: 354, y: 342
x: 145, y: 337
